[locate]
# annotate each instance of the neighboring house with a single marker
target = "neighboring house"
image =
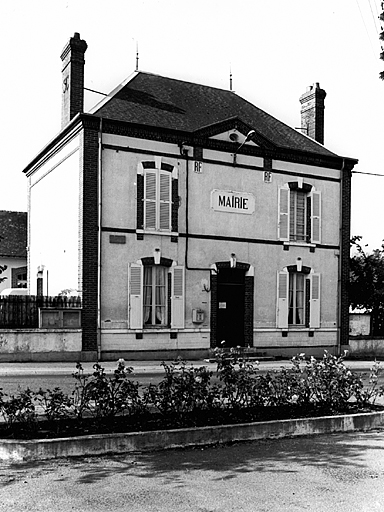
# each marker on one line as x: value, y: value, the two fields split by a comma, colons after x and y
x: 13, y: 249
x: 186, y: 216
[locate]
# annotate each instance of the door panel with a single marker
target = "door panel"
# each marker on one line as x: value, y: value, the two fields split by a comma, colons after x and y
x: 230, y: 303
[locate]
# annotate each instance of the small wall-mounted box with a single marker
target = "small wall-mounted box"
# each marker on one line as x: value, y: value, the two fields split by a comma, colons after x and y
x: 197, y: 316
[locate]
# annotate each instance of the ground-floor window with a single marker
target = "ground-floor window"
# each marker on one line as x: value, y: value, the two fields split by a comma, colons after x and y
x: 298, y: 298
x: 155, y: 295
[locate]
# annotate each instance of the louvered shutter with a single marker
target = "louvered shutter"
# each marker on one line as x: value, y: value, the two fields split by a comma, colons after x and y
x: 316, y: 218
x: 314, y: 319
x: 150, y: 194
x: 282, y: 300
x: 284, y: 214
x: 135, y: 295
x: 177, y: 298
x: 165, y: 201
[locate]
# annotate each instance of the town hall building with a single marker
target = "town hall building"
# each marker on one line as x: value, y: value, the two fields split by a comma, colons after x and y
x: 193, y: 220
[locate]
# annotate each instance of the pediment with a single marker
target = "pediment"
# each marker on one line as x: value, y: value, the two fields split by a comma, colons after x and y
x: 235, y: 131
x: 234, y: 135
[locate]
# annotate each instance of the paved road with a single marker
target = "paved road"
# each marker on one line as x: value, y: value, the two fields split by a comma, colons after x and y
x: 321, y: 474
x: 50, y: 375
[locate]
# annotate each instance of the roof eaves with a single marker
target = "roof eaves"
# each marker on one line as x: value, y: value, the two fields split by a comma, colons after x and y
x: 66, y: 131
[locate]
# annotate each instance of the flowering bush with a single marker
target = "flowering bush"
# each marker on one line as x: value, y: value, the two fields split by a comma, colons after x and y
x: 105, y: 397
x: 182, y: 390
x: 19, y: 409
x: 189, y: 395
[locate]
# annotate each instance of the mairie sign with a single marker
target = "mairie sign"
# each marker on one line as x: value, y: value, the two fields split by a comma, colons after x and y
x: 232, y: 202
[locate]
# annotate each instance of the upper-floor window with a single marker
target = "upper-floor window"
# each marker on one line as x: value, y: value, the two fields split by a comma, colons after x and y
x: 299, y: 213
x: 157, y: 196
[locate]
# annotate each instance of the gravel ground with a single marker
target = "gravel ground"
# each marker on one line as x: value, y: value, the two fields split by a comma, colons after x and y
x: 321, y: 474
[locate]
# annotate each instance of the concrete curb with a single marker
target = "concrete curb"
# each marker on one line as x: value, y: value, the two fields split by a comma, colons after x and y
x: 41, y: 449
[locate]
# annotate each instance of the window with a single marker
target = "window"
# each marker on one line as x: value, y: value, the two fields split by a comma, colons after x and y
x: 157, y: 196
x: 296, y: 305
x: 156, y: 294
x: 157, y: 200
x: 298, y: 298
x: 299, y: 213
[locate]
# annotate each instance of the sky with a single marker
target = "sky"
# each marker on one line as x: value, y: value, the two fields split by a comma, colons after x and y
x: 275, y: 49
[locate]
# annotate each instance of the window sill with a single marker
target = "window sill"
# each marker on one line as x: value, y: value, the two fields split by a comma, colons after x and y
x: 161, y: 233
x: 160, y: 328
x: 299, y: 244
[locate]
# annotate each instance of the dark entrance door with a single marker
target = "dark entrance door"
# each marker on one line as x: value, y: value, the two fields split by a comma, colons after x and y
x: 230, y: 304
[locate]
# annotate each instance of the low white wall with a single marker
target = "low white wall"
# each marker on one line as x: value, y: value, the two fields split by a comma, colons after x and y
x: 366, y: 347
x: 40, y: 344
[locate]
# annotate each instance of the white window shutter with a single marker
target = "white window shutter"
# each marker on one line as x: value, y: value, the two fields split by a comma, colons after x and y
x: 282, y: 300
x: 178, y: 297
x: 284, y: 214
x: 314, y: 308
x: 316, y: 217
x: 150, y: 195
x: 135, y: 295
x: 165, y: 201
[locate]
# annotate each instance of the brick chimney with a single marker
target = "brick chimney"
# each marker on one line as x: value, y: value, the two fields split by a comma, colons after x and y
x: 312, y: 112
x: 72, y: 78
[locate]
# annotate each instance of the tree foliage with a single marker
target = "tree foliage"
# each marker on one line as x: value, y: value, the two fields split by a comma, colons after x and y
x: 366, y: 284
x: 381, y: 37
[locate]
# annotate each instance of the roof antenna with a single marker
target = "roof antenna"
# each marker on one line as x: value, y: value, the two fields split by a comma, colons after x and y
x: 137, y: 56
x: 230, y: 77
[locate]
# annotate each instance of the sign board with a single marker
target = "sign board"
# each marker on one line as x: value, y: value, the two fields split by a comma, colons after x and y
x: 232, y: 202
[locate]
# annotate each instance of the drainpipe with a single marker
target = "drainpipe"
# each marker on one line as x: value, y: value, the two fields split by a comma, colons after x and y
x: 339, y: 294
x: 99, y: 199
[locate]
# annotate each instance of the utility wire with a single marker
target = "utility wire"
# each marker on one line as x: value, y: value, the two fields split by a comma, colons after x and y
x: 373, y: 17
x: 366, y: 29
x: 368, y: 173
x: 97, y: 92
x: 376, y: 22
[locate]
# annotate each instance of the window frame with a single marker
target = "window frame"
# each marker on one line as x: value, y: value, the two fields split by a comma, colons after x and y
x: 311, y: 298
x: 157, y: 198
x: 155, y: 269
x: 174, y: 313
x: 294, y: 308
x: 162, y: 198
x: 288, y: 195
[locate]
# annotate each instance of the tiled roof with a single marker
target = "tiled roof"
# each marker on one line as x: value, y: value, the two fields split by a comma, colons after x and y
x: 13, y: 234
x: 163, y: 102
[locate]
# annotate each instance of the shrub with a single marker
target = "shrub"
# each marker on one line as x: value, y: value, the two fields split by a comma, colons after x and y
x: 329, y: 382
x: 370, y: 394
x: 240, y: 385
x: 20, y: 409
x: 105, y: 397
x: 186, y: 394
x: 54, y: 403
x: 183, y: 391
